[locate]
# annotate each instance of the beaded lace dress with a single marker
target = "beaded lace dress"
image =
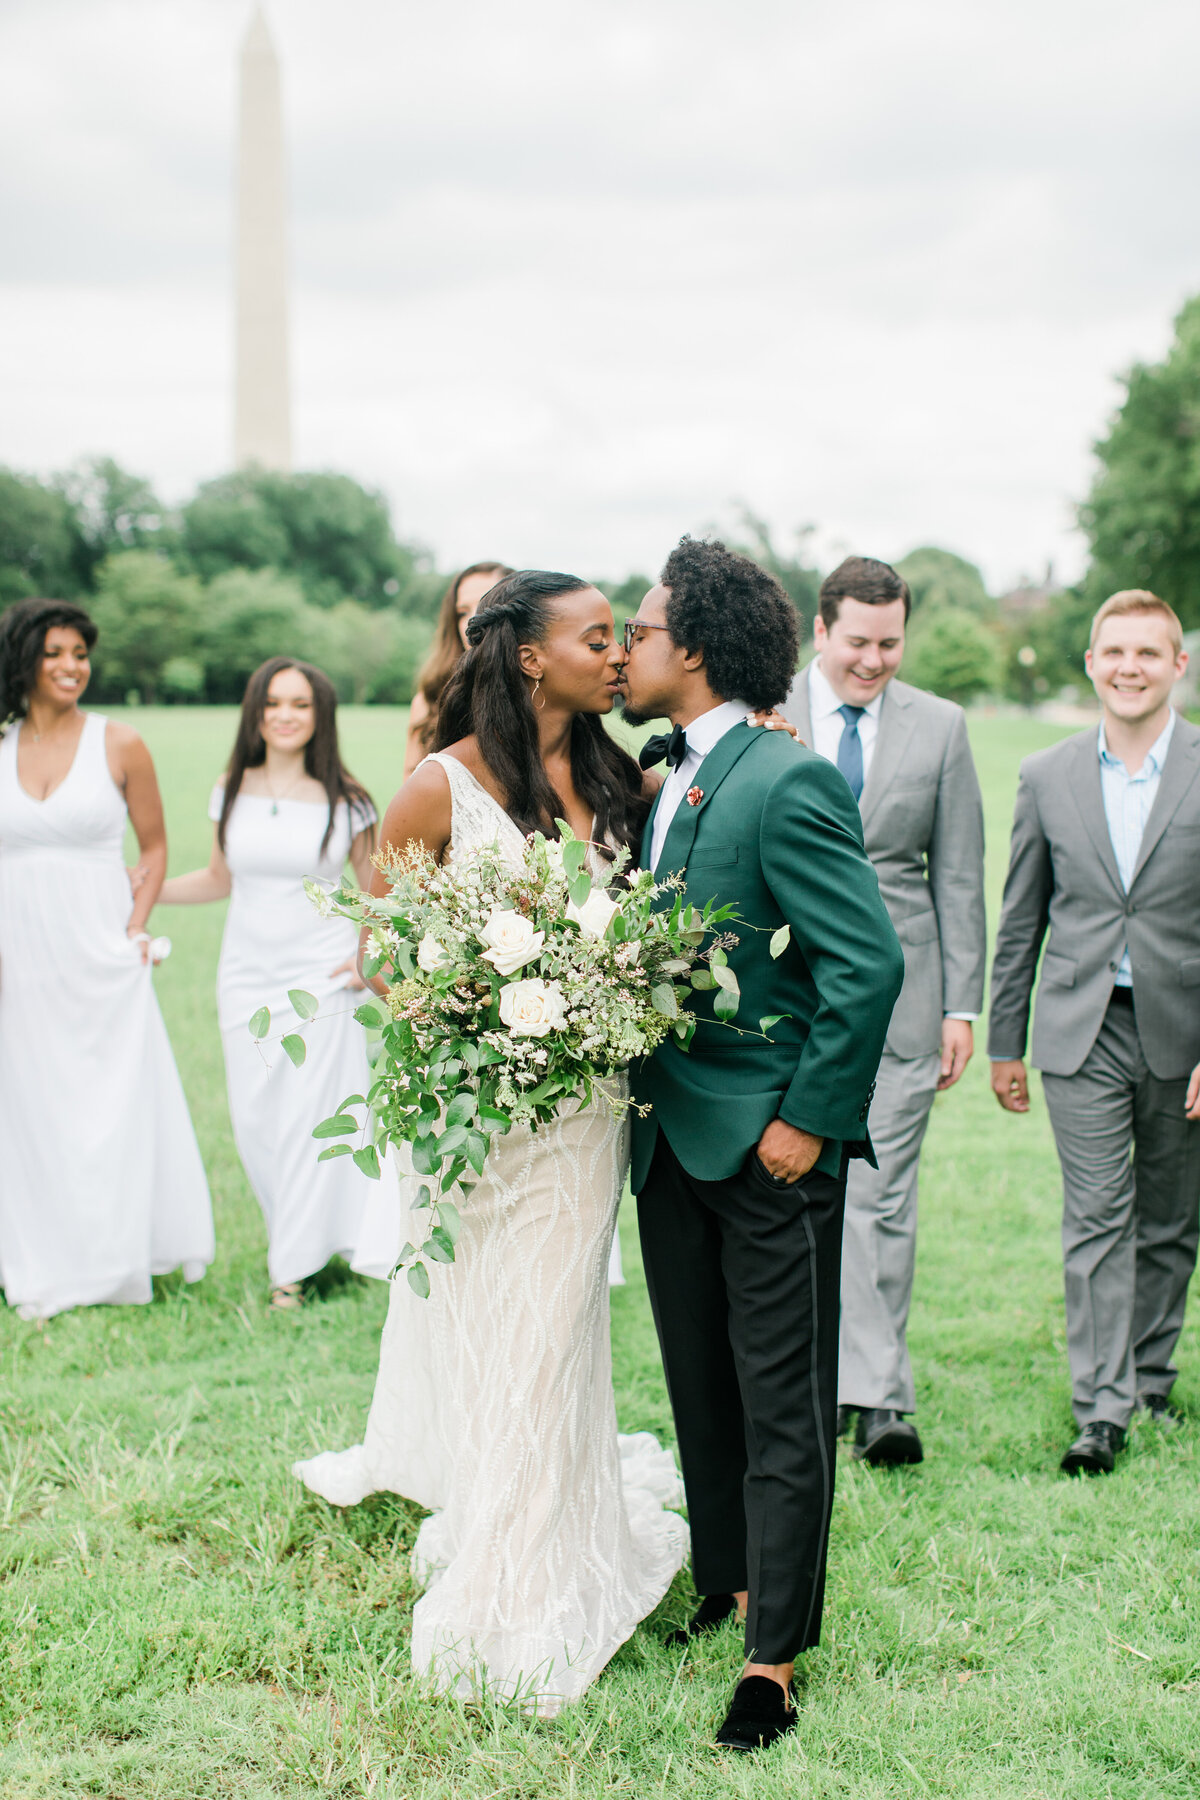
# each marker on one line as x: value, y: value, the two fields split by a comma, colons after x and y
x: 548, y: 1539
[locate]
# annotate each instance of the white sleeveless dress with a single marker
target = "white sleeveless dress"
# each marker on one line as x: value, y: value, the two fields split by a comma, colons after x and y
x: 101, y: 1182
x: 274, y: 940
x: 548, y: 1541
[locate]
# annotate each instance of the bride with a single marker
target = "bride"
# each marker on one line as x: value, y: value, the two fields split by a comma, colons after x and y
x: 548, y: 1540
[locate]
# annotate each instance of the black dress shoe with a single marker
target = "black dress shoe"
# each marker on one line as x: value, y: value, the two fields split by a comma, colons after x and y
x: 712, y: 1611
x: 1158, y: 1408
x: 884, y: 1436
x: 844, y: 1416
x: 758, y: 1715
x: 1095, y: 1449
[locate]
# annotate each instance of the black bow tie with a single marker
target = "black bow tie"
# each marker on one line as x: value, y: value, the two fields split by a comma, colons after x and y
x: 673, y: 746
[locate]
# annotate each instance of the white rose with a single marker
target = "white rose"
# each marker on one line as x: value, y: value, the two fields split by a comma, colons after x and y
x: 593, y: 916
x: 532, y: 1008
x: 430, y: 955
x: 511, y: 941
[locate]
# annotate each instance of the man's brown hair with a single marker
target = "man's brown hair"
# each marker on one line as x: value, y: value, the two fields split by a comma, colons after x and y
x: 1138, y: 600
x: 862, y: 578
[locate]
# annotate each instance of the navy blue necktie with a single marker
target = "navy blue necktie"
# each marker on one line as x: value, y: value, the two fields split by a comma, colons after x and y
x: 849, y: 756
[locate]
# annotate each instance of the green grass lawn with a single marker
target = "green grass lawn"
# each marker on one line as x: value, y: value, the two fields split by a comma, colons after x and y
x: 178, y: 1618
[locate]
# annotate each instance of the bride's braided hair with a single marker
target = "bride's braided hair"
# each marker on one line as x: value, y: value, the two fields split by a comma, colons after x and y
x: 488, y: 698
x: 23, y: 631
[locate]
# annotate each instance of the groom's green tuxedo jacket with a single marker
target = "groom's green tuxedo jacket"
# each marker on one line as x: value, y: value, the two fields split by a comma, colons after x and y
x: 776, y: 832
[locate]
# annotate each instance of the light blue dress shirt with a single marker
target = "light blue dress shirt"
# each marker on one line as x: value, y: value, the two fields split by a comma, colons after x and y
x: 1127, y: 803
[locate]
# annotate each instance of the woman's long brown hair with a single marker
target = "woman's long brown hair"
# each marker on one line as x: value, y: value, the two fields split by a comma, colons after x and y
x: 446, y: 651
x: 322, y: 759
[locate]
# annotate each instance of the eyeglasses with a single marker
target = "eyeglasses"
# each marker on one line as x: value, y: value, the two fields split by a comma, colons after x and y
x: 634, y: 626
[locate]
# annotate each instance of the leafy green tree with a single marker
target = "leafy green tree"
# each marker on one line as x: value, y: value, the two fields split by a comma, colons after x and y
x: 149, y: 615
x: 1043, y: 651
x: 951, y: 653
x: 332, y: 535
x: 940, y: 578
x: 1142, y: 516
x: 794, y: 571
x: 41, y: 547
x: 113, y: 509
x: 250, y: 615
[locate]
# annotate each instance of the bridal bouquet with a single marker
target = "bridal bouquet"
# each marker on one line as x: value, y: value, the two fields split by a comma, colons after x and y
x: 513, y: 988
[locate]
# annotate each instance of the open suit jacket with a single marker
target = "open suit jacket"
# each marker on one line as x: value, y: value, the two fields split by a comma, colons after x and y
x: 1062, y: 874
x: 922, y: 818
x: 776, y: 832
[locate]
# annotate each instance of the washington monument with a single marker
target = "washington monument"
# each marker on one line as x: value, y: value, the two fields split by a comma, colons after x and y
x: 262, y: 427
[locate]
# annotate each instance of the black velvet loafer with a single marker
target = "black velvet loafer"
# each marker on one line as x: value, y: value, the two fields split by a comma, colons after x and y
x: 758, y: 1715
x: 711, y: 1613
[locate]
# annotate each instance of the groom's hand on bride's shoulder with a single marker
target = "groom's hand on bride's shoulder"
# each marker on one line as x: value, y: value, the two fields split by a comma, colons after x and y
x: 786, y: 1152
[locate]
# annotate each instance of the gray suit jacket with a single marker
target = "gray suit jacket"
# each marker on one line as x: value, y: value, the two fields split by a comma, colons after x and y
x: 1062, y: 874
x: 923, y: 827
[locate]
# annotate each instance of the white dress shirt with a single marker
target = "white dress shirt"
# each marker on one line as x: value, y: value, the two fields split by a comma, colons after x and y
x: 827, y: 727
x: 828, y: 723
x: 1127, y: 802
x: 702, y: 735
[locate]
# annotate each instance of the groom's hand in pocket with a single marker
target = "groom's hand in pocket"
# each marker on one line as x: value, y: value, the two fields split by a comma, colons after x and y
x: 786, y: 1152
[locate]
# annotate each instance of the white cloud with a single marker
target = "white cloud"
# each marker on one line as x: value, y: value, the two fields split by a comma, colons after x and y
x: 570, y: 280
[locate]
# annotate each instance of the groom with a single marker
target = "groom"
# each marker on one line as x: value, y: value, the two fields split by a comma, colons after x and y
x: 740, y: 1166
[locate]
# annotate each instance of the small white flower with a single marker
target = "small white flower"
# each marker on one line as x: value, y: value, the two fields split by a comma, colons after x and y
x: 554, y: 856
x: 511, y: 940
x: 532, y: 1008
x: 594, y: 915
x: 430, y: 955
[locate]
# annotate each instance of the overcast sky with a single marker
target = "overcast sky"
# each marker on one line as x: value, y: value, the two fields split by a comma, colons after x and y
x: 571, y: 277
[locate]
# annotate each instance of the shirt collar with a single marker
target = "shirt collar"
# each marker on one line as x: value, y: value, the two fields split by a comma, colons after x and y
x: 1156, y: 756
x: 823, y: 701
x: 707, y: 729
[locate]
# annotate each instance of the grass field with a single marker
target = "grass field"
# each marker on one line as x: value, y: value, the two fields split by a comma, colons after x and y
x: 178, y: 1618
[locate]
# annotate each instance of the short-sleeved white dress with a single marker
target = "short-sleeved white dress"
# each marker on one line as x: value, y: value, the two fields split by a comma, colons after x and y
x: 274, y: 940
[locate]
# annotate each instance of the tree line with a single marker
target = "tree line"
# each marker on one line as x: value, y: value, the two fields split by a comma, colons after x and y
x: 190, y: 601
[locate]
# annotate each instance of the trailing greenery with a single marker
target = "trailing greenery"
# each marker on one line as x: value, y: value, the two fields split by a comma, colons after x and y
x: 179, y: 1618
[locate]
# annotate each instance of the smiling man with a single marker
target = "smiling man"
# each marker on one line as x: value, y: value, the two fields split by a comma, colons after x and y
x: 1106, y: 854
x: 906, y: 757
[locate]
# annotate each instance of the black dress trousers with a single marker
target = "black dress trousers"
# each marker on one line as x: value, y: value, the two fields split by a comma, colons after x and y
x: 743, y: 1278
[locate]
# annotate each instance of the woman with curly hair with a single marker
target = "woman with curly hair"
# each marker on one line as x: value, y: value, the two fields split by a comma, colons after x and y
x: 459, y: 604
x: 103, y: 1185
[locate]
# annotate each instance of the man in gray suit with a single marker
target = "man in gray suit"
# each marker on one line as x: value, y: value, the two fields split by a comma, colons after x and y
x: 1106, y: 855
x: 906, y: 756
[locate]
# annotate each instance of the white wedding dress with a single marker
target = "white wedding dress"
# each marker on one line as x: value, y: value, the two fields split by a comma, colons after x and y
x: 101, y: 1182
x: 548, y: 1540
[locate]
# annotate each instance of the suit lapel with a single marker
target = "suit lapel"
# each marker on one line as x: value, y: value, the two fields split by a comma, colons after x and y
x: 1089, y: 798
x: 797, y: 708
x: 896, y: 724
x: 648, y: 832
x: 1179, y: 771
x: 677, y: 845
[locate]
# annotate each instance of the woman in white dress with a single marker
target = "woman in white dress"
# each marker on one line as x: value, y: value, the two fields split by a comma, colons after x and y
x: 494, y: 1406
x: 286, y: 810
x: 101, y: 1185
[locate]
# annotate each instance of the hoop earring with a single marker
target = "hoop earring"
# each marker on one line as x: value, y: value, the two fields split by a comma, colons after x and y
x: 537, y: 684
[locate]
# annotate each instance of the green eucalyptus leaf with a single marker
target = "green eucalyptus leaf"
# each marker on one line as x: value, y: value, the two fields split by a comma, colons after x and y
x: 780, y: 940
x: 579, y: 887
x: 341, y: 1125
x: 663, y: 1000
x: 424, y: 1197
x: 701, y: 980
x: 726, y: 1004
x: 771, y: 1020
x: 477, y: 1149
x: 425, y: 1156
x: 452, y: 1140
x: 370, y: 1016
x: 418, y: 1280
x: 260, y: 1022
x: 461, y: 1109
x: 449, y: 1219
x: 725, y: 978
x: 367, y: 1159
x: 332, y: 1150
x: 295, y: 1047
x: 304, y: 1004
x: 438, y: 1246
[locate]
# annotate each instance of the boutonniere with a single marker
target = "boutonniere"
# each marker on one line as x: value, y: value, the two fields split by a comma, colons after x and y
x: 695, y: 796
